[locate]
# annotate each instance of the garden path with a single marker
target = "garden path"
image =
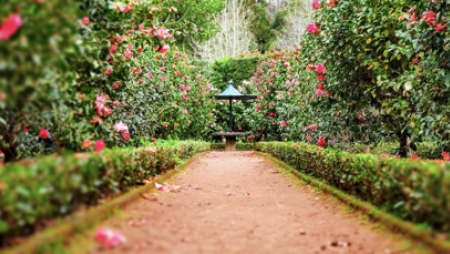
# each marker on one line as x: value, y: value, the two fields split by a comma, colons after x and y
x: 238, y: 202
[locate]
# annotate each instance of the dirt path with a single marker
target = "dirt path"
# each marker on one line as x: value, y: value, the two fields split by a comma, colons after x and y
x: 239, y: 203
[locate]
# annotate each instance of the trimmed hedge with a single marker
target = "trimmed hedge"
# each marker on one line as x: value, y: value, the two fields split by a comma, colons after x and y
x: 418, y: 191
x: 34, y: 191
x: 428, y: 150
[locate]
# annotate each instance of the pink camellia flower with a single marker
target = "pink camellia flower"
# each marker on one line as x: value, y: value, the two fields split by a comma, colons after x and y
x: 176, y: 54
x: 150, y: 75
x: 116, y: 85
x: 10, y: 26
x: 108, y: 237
x: 128, y: 53
x: 126, y: 136
x: 320, y: 68
x: 316, y: 4
x: 107, y: 111
x: 127, y: 8
x: 429, y: 17
x: 108, y: 72
x: 439, y: 27
x: 188, y: 88
x: 85, y: 21
x: 185, y: 111
x: 163, y: 78
x: 178, y: 73
x: 181, y: 86
x: 121, y: 127
x: 286, y: 64
x: 312, y: 29
x: 99, y: 145
x: 319, y: 93
x: 164, y: 49
x: 115, y: 103
x: 297, y: 47
x: 44, y: 134
x: 283, y: 123
x: 162, y: 33
x: 313, y: 127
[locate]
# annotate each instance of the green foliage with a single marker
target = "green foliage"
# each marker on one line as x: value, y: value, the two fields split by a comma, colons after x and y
x: 412, y: 190
x: 78, y: 70
x: 386, y: 71
x: 54, y: 186
x: 237, y: 69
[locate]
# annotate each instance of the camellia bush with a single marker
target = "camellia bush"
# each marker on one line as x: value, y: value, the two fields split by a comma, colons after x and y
x: 98, y: 73
x: 385, y: 68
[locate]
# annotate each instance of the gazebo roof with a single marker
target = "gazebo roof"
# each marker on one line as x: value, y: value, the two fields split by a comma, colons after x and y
x: 232, y: 93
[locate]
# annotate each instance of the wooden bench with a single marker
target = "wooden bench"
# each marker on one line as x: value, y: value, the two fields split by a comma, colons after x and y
x: 230, y: 139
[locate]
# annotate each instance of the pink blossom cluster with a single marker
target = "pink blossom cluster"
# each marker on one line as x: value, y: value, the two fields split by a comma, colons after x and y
x: 122, y: 128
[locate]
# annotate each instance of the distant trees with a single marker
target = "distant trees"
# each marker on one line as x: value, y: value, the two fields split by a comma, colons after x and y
x: 254, y: 25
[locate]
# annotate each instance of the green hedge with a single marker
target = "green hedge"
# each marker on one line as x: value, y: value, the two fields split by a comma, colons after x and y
x: 428, y: 150
x: 240, y: 146
x: 53, y: 186
x: 414, y: 190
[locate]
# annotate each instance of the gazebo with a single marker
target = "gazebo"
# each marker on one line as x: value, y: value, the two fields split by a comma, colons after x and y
x: 231, y: 94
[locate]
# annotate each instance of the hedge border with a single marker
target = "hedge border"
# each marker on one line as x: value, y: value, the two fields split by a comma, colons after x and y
x: 77, y: 223
x: 391, y: 222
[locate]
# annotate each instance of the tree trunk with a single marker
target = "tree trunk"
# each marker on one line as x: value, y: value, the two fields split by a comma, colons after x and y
x: 10, y: 154
x: 405, y: 145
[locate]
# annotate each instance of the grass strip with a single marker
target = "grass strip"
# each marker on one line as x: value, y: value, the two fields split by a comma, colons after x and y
x: 393, y: 223
x: 55, y: 237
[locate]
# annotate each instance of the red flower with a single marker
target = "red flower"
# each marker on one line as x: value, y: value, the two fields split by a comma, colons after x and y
x: 126, y: 136
x: 10, y: 26
x: 85, y: 21
x: 316, y: 4
x: 429, y: 17
x: 44, y: 134
x: 320, y: 69
x: 321, y: 142
x: 310, y: 67
x: 415, y: 157
x: 320, y: 86
x: 164, y: 49
x: 116, y: 85
x: 113, y: 48
x: 446, y: 156
x: 312, y: 29
x: 99, y: 145
x: 439, y: 27
x: 283, y: 123
x: 108, y: 72
x: 320, y: 77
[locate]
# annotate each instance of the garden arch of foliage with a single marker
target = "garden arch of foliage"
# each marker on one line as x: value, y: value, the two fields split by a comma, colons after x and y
x: 84, y: 76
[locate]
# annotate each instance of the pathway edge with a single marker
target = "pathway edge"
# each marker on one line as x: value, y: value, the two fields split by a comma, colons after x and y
x: 393, y: 223
x: 76, y: 223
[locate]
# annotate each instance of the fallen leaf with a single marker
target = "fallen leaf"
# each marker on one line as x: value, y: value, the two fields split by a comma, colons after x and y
x: 149, y: 197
